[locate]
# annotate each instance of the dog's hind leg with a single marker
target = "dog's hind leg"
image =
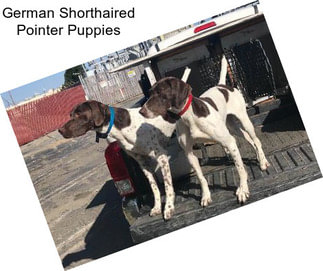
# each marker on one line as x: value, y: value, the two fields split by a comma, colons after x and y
x: 235, y: 128
x: 249, y: 134
x: 186, y: 142
x: 238, y: 109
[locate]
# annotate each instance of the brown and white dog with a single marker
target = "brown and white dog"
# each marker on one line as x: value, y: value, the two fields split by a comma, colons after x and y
x: 143, y: 139
x: 205, y: 119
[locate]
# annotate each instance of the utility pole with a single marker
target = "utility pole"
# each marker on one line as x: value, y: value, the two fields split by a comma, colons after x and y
x: 12, y: 100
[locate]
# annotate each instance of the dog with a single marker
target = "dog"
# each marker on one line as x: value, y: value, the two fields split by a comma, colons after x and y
x: 207, y: 118
x: 143, y: 139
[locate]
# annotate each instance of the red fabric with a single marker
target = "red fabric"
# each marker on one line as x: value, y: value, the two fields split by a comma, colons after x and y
x: 37, y: 118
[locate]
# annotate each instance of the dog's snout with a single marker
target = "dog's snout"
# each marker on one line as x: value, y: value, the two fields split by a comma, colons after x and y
x: 61, y: 130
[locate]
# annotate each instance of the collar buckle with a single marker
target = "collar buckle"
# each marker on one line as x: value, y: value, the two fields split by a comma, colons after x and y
x: 111, y: 122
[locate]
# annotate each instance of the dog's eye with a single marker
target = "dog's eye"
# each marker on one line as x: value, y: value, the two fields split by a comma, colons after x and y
x: 82, y: 117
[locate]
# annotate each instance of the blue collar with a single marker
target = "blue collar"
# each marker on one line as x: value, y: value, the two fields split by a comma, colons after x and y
x: 105, y: 135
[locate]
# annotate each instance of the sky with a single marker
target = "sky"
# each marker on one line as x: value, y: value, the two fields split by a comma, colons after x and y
x: 27, y: 91
x: 38, y: 87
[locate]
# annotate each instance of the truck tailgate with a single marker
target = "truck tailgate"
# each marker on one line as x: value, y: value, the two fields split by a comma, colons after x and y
x: 292, y: 161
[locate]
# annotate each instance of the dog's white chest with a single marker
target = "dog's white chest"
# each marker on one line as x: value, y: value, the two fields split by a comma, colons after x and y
x: 198, y: 132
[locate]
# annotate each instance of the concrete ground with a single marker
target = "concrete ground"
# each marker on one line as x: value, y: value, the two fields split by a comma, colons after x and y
x: 81, y: 204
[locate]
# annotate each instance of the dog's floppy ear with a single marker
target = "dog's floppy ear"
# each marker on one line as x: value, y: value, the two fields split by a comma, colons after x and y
x: 97, y: 112
x: 181, y: 90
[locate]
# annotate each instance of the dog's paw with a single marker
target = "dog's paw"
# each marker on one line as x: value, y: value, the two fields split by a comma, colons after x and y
x: 206, y: 200
x: 264, y: 165
x: 242, y: 194
x: 169, y: 211
x: 155, y: 211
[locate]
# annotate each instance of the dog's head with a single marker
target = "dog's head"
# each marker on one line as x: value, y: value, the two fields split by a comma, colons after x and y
x: 85, y: 117
x: 169, y: 93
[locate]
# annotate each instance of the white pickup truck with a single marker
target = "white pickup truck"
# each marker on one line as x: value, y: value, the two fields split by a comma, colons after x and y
x: 243, y: 36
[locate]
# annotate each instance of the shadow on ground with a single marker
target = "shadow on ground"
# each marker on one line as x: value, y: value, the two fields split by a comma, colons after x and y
x: 109, y: 233
x: 284, y: 118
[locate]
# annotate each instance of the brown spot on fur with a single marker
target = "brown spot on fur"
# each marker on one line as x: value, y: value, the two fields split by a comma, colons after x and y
x: 166, y: 93
x: 210, y: 102
x: 225, y: 93
x: 226, y: 87
x: 122, y: 118
x: 199, y: 108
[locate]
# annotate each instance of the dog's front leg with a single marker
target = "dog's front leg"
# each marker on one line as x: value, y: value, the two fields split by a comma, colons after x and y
x: 242, y: 192
x: 156, y: 210
x: 144, y: 165
x: 186, y: 142
x: 169, y: 190
x: 206, y: 195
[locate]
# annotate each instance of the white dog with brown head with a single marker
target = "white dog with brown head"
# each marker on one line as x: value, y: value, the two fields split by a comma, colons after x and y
x: 206, y: 119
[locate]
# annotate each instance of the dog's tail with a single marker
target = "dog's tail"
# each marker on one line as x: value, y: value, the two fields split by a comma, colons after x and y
x: 224, y: 71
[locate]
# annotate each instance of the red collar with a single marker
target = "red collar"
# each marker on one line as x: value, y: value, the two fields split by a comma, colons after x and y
x: 187, y: 105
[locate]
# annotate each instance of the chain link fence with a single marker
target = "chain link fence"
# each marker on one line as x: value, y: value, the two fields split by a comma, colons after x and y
x: 113, y: 88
